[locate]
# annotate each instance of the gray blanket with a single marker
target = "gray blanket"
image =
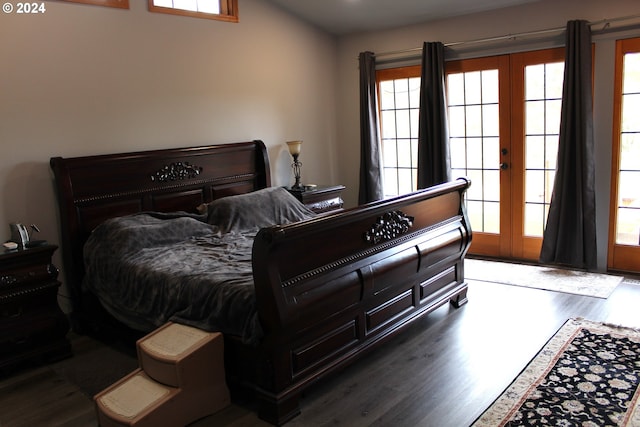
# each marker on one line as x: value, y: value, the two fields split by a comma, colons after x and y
x: 151, y: 268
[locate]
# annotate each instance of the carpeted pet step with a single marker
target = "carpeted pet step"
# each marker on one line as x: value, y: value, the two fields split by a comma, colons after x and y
x: 181, y: 356
x: 181, y: 379
x: 137, y: 400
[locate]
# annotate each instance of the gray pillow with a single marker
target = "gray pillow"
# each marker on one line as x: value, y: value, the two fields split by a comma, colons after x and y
x: 255, y: 210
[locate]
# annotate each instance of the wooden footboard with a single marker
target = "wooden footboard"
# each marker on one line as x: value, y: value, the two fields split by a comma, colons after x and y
x: 334, y: 287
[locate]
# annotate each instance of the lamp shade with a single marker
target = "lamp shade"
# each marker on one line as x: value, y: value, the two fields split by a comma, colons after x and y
x: 294, y: 147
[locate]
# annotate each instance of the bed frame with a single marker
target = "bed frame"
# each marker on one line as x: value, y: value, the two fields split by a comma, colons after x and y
x: 328, y: 290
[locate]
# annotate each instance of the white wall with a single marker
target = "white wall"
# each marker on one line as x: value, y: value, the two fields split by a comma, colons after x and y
x: 538, y: 15
x: 83, y: 80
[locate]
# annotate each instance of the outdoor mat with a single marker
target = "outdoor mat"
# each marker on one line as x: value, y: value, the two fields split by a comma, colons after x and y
x: 542, y: 277
x: 586, y: 375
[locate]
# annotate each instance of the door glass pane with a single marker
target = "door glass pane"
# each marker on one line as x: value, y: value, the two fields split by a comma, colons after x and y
x: 474, y: 143
x: 628, y: 211
x: 543, y: 93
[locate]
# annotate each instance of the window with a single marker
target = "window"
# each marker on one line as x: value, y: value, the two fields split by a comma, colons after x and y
x: 223, y: 10
x: 399, y: 93
x: 123, y: 4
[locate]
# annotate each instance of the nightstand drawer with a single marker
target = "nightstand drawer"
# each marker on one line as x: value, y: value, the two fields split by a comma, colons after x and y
x: 20, y: 276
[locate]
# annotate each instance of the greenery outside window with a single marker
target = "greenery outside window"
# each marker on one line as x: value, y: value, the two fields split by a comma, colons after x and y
x: 222, y: 10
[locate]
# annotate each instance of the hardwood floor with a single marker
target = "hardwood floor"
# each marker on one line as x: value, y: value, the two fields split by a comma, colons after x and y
x: 442, y: 371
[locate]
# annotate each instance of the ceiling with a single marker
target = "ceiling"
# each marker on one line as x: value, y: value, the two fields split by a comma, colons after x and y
x: 342, y: 17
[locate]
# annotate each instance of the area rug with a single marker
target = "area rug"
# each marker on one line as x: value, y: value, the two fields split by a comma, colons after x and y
x: 586, y: 375
x: 542, y: 277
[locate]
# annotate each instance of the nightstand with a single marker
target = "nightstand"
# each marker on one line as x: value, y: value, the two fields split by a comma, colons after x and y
x: 321, y: 199
x: 32, y: 325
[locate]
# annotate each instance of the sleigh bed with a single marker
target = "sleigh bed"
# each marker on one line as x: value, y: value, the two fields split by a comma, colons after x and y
x: 318, y: 291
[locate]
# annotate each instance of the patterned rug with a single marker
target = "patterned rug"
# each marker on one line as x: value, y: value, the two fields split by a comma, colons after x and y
x: 587, y: 375
x: 542, y: 277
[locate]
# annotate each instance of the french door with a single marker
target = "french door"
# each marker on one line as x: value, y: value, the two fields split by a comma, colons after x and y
x: 504, y: 119
x: 624, y: 223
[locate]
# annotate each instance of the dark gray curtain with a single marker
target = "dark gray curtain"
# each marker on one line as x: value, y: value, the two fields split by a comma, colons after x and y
x: 370, y: 157
x: 570, y: 235
x: 433, y: 132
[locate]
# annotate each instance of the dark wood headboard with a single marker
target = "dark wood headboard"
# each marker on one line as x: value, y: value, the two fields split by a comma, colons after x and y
x: 95, y: 188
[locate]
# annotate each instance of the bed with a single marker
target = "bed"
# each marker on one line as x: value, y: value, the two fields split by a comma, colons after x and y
x: 323, y: 289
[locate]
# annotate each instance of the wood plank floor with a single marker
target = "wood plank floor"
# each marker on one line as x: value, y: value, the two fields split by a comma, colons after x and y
x: 442, y: 371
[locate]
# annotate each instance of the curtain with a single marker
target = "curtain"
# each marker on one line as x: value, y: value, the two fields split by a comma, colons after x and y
x: 433, y: 133
x: 570, y: 235
x: 370, y: 157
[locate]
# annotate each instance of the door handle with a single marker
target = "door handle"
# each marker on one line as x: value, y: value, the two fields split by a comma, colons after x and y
x: 504, y: 166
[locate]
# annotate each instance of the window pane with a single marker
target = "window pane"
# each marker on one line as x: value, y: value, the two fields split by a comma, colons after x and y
x: 414, y: 93
x: 630, y: 109
x: 209, y: 9
x: 628, y: 232
x: 186, y: 5
x: 472, y: 88
x: 474, y: 153
x: 628, y: 189
x: 415, y: 122
x: 491, y: 217
x: 490, y: 120
x: 534, y: 119
x: 552, y: 116
x: 534, y: 186
x: 534, y: 217
x: 475, y: 191
x: 549, y: 177
x: 209, y: 6
x: 535, y: 152
x: 492, y: 185
x: 404, y: 153
x: 458, y: 153
x: 414, y: 157
x: 390, y: 182
x: 554, y: 78
x: 474, y: 120
x: 403, y: 129
x: 388, y: 123
x: 491, y: 153
x: 475, y: 212
x: 490, y: 87
x: 631, y: 78
x: 630, y: 151
x: 456, y: 122
x: 551, y: 159
x: 389, y: 152
x: 402, y: 93
x: 405, y: 181
x: 534, y: 78
x: 455, y: 89
x: 387, y: 96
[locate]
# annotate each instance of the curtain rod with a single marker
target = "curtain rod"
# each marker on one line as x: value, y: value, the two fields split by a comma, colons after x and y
x: 509, y: 36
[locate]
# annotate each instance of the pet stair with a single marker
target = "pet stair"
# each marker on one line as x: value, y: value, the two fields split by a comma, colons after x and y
x: 180, y: 379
